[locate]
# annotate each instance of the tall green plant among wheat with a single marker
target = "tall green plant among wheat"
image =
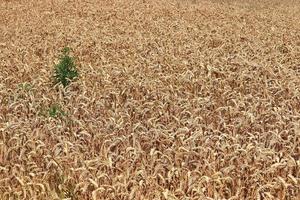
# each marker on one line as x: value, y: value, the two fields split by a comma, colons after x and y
x: 65, y: 71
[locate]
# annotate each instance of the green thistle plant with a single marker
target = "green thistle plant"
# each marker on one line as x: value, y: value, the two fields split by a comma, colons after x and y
x: 55, y: 111
x: 65, y: 71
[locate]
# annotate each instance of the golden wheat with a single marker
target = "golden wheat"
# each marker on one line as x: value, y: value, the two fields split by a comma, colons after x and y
x: 175, y: 100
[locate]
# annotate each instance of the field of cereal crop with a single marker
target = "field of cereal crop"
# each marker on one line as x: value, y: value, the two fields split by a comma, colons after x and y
x: 175, y: 99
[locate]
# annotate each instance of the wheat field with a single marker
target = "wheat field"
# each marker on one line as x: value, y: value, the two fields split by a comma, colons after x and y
x: 175, y: 99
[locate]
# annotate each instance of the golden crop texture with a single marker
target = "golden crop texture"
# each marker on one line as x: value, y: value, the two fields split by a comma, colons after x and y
x: 175, y: 99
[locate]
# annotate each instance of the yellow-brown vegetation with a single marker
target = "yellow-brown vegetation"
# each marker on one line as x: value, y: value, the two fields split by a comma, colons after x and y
x: 175, y: 99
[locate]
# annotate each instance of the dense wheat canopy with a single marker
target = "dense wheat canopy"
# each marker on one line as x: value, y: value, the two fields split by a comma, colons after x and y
x: 188, y: 99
